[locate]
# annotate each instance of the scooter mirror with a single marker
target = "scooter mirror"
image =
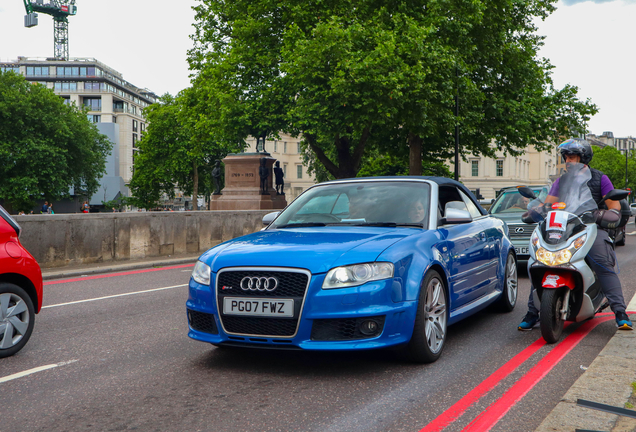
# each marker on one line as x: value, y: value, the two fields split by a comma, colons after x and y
x: 527, y: 192
x: 616, y: 195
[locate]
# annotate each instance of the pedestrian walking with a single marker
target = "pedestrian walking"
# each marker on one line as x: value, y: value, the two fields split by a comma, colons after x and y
x: 50, y: 209
x: 45, y: 208
x: 85, y: 207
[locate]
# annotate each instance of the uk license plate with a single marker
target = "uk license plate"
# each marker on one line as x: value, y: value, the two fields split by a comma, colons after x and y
x: 258, y: 307
x: 521, y: 250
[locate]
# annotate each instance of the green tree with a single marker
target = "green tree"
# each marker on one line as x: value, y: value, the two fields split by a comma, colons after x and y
x: 175, y: 151
x: 611, y: 161
x: 353, y: 77
x: 46, y: 146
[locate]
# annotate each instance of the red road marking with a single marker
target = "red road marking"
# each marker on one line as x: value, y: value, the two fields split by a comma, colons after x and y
x: 495, y: 412
x: 455, y: 411
x: 117, y: 274
x: 458, y: 409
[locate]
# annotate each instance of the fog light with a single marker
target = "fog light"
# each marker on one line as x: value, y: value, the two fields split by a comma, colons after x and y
x: 369, y: 327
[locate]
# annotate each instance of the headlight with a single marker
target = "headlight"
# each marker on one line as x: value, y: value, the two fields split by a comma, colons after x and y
x: 357, y: 274
x: 562, y: 256
x: 201, y: 273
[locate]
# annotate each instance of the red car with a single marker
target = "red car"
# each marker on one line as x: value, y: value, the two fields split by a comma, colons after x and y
x: 20, y: 288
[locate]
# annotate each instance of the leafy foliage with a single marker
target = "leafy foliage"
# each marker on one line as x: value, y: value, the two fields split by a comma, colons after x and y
x: 611, y: 161
x: 364, y: 78
x: 176, y: 150
x: 46, y: 146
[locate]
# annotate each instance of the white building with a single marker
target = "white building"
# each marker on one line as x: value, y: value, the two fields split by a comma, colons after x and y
x: 489, y: 175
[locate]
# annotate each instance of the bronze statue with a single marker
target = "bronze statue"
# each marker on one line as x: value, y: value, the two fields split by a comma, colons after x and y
x: 263, y: 173
x: 216, y: 177
x: 280, y: 182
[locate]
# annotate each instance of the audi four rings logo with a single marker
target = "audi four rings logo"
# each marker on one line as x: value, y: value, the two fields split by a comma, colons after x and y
x: 519, y: 230
x: 259, y: 283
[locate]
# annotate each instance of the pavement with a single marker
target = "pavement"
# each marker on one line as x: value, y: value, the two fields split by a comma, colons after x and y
x: 610, y: 379
x: 116, y: 266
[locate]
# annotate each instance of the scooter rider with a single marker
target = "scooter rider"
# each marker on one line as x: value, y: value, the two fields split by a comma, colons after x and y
x: 601, y: 257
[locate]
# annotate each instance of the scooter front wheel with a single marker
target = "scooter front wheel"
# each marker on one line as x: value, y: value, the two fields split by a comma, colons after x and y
x: 551, y: 322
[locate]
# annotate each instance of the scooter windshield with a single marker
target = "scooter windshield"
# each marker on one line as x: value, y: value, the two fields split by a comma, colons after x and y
x: 573, y: 208
x: 573, y: 190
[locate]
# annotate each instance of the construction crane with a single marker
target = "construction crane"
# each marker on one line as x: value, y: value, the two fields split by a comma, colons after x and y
x: 59, y: 10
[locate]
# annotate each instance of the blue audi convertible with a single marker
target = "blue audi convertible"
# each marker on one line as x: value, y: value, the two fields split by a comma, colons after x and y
x: 357, y: 264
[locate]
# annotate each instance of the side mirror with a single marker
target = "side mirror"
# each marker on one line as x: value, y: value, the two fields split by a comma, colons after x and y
x: 269, y: 218
x: 616, y: 195
x: 456, y: 216
x: 527, y: 192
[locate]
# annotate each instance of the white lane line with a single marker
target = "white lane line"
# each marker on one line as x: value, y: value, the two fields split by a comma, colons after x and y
x: 113, y: 296
x: 34, y: 370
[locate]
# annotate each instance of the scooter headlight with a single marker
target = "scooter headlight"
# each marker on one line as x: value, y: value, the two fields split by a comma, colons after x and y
x: 562, y: 256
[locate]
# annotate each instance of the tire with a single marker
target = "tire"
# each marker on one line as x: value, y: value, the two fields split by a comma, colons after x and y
x: 621, y: 242
x: 551, y: 322
x: 508, y: 299
x: 17, y: 317
x: 429, y: 331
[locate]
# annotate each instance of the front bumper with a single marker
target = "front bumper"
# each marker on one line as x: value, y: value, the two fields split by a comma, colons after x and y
x: 329, y: 319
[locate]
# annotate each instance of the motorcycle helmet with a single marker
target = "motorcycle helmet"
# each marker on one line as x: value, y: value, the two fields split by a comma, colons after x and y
x: 579, y: 147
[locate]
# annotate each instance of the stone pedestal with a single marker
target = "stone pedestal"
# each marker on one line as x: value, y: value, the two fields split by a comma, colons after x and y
x: 243, y: 185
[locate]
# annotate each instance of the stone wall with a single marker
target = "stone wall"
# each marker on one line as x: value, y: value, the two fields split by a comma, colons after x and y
x: 72, y: 239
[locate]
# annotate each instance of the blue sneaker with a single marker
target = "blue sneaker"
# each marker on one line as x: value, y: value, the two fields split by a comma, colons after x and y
x: 623, y: 322
x: 528, y: 322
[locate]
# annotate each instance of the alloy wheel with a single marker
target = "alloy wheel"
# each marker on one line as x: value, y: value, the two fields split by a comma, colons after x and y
x: 14, y: 319
x: 435, y: 315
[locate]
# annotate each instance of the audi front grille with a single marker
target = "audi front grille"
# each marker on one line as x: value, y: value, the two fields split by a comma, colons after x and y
x: 257, y: 283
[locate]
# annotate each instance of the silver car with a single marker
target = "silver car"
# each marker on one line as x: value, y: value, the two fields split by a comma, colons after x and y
x: 509, y: 206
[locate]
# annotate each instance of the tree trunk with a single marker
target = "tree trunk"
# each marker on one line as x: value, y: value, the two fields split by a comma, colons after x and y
x: 415, y: 155
x: 348, y: 161
x: 195, y: 188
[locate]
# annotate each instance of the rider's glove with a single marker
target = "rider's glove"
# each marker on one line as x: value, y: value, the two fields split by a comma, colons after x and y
x: 608, y: 218
x: 536, y: 214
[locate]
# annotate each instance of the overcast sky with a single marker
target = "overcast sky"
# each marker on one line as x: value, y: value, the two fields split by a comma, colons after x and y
x: 590, y: 43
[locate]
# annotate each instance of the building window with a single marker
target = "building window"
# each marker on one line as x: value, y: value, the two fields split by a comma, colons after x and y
x: 298, y: 148
x: 94, y: 86
x: 284, y: 146
x: 94, y: 118
x: 9, y: 68
x: 93, y: 104
x: 275, y: 146
x: 67, y: 100
x: 299, y: 171
x: 37, y: 71
x: 134, y: 140
x: 499, y: 168
x: 65, y: 86
x: 114, y: 119
x: 474, y: 168
x: 134, y: 128
x: 143, y: 127
x: 285, y: 170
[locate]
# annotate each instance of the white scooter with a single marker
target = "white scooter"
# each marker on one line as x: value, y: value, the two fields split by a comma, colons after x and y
x: 566, y: 288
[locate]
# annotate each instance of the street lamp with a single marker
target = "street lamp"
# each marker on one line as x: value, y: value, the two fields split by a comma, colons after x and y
x: 626, y: 154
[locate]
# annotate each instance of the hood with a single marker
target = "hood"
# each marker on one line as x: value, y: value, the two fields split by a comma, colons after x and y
x: 509, y: 218
x: 315, y: 249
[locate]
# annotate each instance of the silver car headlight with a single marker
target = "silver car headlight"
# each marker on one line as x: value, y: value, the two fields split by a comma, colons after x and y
x: 357, y: 274
x: 201, y: 273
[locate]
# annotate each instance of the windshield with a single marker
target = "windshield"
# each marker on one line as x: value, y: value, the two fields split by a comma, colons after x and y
x: 511, y: 201
x: 572, y: 190
x: 390, y: 203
